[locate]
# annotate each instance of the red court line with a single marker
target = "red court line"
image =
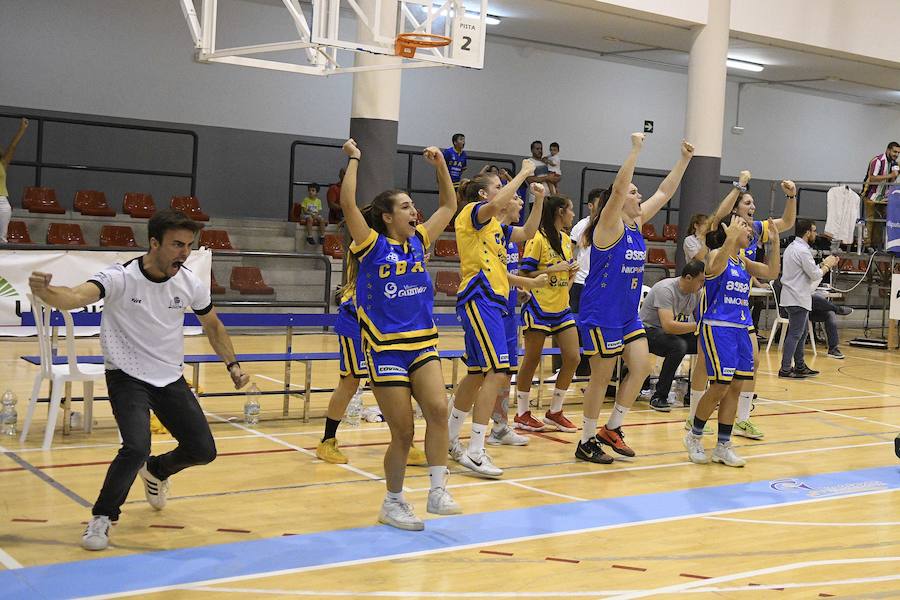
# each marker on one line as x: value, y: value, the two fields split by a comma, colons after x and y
x: 824, y: 595
x: 496, y: 552
x: 22, y: 520
x: 168, y: 526
x: 548, y: 437
x: 225, y: 530
x: 692, y: 576
x: 311, y: 448
x: 629, y: 568
x: 565, y: 560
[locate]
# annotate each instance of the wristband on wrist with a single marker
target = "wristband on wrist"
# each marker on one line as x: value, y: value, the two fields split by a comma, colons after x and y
x: 231, y: 364
x: 790, y: 197
x: 353, y: 158
x: 737, y: 185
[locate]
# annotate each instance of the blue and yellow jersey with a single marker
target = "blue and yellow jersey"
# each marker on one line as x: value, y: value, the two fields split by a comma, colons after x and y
x: 539, y: 256
x: 612, y: 289
x: 482, y: 256
x: 347, y: 323
x: 512, y: 267
x: 394, y: 294
x: 456, y: 162
x: 760, y: 237
x: 726, y: 297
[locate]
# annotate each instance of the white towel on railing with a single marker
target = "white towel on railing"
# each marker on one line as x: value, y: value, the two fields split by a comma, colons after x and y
x: 843, y: 211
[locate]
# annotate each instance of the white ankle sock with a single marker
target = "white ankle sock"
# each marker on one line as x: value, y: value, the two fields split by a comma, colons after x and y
x: 617, y: 416
x: 695, y: 400
x: 522, y: 399
x: 476, y: 442
x: 457, y: 418
x: 745, y: 402
x: 557, y: 402
x: 395, y: 496
x: 589, y: 429
x: 436, y: 476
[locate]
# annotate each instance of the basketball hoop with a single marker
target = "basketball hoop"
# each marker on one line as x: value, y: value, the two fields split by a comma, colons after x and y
x: 408, y: 43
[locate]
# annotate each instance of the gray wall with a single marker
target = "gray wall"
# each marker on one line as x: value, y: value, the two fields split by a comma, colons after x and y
x: 124, y: 59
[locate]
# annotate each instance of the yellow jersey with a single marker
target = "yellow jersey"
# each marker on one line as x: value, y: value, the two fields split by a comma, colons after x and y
x: 539, y: 256
x: 482, y: 257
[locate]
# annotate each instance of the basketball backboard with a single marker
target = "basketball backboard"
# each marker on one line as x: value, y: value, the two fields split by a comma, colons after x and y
x: 330, y: 32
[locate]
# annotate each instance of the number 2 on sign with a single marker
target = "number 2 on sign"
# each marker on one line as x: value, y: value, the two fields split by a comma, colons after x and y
x: 634, y: 283
x: 466, y: 43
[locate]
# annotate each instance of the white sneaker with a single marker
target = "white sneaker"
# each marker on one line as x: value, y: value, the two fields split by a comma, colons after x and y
x: 96, y: 534
x: 400, y: 515
x: 155, y: 489
x: 456, y: 450
x: 506, y: 437
x: 724, y: 453
x: 694, y: 445
x: 440, y: 502
x: 481, y: 464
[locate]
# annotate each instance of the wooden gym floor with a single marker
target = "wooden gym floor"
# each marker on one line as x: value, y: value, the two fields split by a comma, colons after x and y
x: 815, y: 513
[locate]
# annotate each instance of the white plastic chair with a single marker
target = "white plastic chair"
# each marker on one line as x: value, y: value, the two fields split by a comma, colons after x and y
x: 779, y: 320
x: 58, y: 375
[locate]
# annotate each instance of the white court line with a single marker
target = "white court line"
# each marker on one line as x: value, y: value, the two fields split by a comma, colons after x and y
x: 520, y: 539
x: 275, y: 440
x: 836, y: 414
x: 413, y: 594
x: 782, y: 586
x: 761, y: 400
x: 548, y: 492
x: 834, y: 385
x: 277, y: 380
x: 649, y: 467
x: 694, y: 585
x: 806, y: 524
x: 8, y: 561
x: 874, y: 360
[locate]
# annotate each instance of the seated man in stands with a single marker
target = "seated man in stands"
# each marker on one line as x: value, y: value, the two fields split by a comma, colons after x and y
x: 311, y: 214
x: 668, y: 316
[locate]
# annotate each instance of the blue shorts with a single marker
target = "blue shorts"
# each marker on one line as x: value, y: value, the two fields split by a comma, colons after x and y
x: 534, y: 319
x: 610, y: 341
x: 728, y: 353
x: 485, y: 335
x: 511, y: 326
x: 393, y: 367
x: 353, y: 359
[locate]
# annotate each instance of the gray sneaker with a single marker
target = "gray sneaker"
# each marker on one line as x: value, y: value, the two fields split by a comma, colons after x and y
x: 400, y: 515
x: 156, y: 490
x: 694, y: 445
x: 96, y: 534
x: 836, y: 354
x: 725, y: 454
x: 481, y: 464
x: 506, y: 437
x: 456, y: 450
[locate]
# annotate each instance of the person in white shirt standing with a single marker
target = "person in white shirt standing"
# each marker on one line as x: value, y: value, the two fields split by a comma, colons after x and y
x: 800, y: 277
x: 143, y: 349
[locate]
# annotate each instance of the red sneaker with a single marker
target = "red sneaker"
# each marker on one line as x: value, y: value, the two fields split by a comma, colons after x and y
x: 528, y: 423
x: 615, y: 440
x: 559, y: 421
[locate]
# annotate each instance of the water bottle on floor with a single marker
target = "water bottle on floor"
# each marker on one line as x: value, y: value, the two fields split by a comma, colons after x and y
x: 8, y: 414
x: 251, y: 406
x: 354, y: 410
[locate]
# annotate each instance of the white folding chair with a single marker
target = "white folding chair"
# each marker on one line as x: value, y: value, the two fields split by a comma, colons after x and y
x: 58, y: 375
x: 781, y: 321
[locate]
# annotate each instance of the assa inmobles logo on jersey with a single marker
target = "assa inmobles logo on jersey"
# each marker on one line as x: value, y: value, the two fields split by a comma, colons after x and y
x: 391, y: 291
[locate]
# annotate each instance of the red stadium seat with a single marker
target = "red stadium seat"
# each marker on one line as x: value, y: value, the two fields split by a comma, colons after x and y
x: 42, y: 200
x: 118, y: 236
x: 447, y: 282
x: 65, y: 234
x: 670, y: 232
x: 190, y: 206
x: 214, y: 286
x: 138, y: 206
x: 249, y: 280
x: 649, y: 233
x: 332, y: 246
x: 18, y: 233
x: 92, y: 203
x: 657, y: 256
x: 446, y: 249
x: 215, y: 239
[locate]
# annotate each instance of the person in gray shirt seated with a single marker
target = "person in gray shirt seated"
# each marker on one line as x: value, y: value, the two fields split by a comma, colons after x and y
x: 668, y: 316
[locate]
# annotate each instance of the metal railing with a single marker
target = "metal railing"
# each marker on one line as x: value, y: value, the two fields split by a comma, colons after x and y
x: 39, y: 164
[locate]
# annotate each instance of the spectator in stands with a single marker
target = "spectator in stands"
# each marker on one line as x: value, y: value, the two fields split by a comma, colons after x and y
x: 800, y: 277
x: 311, y: 213
x: 5, y: 159
x: 882, y: 169
x: 552, y: 161
x: 668, y: 316
x: 500, y: 172
x: 694, y: 242
x: 456, y: 158
x: 333, y: 197
x: 541, y: 175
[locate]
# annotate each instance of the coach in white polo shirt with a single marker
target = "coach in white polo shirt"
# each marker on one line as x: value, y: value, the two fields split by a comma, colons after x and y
x: 143, y: 348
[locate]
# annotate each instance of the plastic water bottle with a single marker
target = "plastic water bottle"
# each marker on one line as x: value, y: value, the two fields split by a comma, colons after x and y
x: 251, y: 406
x: 354, y: 410
x: 861, y: 233
x: 8, y: 414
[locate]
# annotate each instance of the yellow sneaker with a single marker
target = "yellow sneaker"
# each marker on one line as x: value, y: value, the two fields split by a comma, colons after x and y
x: 416, y: 458
x: 330, y: 453
x: 155, y: 425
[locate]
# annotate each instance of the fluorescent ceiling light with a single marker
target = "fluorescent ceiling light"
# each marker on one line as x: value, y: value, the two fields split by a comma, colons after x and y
x: 744, y: 65
x: 488, y: 19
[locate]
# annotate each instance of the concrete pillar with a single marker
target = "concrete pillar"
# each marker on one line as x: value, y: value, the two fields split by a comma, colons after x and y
x: 375, y: 113
x: 705, y: 119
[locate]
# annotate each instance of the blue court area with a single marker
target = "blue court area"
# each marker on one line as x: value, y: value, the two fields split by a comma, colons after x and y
x: 209, y: 564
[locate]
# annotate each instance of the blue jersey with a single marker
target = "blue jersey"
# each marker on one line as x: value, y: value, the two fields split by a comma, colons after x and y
x: 394, y: 294
x: 456, y: 162
x: 760, y: 237
x: 726, y: 298
x: 347, y: 324
x: 612, y: 288
x: 512, y: 267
